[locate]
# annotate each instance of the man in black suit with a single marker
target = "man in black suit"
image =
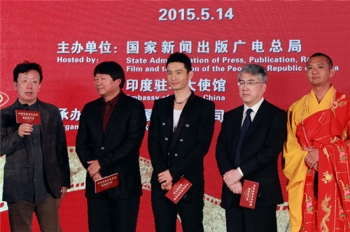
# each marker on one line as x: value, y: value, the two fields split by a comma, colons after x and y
x: 36, y: 173
x: 110, y: 134
x: 180, y: 133
x: 248, y: 149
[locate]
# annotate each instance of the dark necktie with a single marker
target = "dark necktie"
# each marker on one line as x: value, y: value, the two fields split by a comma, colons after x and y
x: 245, y: 126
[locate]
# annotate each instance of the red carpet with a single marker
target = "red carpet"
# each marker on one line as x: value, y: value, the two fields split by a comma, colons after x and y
x: 73, y: 214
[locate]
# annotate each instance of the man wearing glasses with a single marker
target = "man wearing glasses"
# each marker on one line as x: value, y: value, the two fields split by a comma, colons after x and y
x: 248, y: 146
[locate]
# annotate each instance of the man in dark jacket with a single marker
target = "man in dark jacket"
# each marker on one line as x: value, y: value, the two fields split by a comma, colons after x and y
x: 180, y: 133
x: 110, y: 134
x: 248, y: 146
x: 36, y: 173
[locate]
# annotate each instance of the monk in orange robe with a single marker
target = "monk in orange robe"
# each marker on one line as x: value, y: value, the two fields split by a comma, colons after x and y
x: 317, y: 152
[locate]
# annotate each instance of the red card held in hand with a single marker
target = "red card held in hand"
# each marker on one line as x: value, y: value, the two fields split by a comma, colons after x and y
x: 28, y: 116
x: 178, y: 190
x: 106, y: 183
x: 249, y: 194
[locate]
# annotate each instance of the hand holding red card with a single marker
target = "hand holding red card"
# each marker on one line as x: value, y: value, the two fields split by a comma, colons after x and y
x: 178, y: 190
x: 249, y: 194
x: 106, y: 183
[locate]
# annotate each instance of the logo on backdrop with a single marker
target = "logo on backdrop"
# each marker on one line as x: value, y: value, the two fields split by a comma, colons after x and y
x: 4, y: 98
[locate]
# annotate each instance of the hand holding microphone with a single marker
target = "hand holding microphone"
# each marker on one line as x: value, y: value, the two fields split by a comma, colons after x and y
x: 25, y: 128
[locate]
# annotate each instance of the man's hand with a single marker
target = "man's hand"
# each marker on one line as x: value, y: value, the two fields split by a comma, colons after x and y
x: 231, y: 177
x: 97, y: 176
x: 236, y: 187
x: 165, y: 179
x: 25, y: 129
x: 63, y: 192
x: 167, y: 185
x: 311, y: 159
x: 94, y: 167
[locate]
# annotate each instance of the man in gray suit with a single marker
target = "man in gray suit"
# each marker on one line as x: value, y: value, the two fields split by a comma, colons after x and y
x: 36, y: 173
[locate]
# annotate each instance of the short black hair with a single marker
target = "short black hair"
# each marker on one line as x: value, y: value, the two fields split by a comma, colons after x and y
x: 25, y: 67
x: 329, y: 60
x: 113, y: 69
x: 182, y: 58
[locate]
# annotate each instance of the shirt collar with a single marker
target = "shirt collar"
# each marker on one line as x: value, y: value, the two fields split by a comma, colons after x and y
x: 113, y: 101
x: 32, y: 107
x: 255, y: 108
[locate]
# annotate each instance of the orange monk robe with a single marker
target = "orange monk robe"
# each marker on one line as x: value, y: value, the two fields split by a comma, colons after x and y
x: 295, y: 167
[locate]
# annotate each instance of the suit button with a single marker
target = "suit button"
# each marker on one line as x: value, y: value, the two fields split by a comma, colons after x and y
x: 187, y: 125
x: 163, y: 123
x: 175, y: 155
x: 168, y: 153
x: 181, y: 140
x: 102, y: 148
x: 166, y: 139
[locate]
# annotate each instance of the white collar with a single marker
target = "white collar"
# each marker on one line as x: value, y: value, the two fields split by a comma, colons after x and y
x: 255, y: 108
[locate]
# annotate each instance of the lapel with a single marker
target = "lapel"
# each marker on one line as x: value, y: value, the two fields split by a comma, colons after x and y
x: 190, y: 104
x: 12, y: 109
x: 118, y: 109
x: 45, y: 124
x: 15, y: 106
x: 169, y: 112
x: 258, y: 119
x: 97, y: 116
x: 236, y: 121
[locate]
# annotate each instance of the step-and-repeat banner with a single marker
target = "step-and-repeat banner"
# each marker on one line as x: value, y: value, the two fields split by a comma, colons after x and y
x: 70, y: 38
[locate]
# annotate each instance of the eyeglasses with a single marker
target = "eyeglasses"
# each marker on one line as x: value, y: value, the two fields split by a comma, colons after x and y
x: 248, y: 83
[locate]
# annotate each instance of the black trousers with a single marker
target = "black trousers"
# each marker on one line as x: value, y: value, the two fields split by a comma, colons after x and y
x: 106, y: 214
x: 260, y: 219
x: 165, y: 214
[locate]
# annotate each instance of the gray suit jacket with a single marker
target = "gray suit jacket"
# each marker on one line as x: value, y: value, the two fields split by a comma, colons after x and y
x: 54, y: 147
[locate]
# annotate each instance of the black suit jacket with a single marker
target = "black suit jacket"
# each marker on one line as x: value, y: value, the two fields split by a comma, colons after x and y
x: 118, y: 149
x: 261, y: 147
x: 54, y: 147
x: 181, y: 152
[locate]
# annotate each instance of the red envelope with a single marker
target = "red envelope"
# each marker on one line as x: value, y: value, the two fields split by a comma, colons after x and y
x: 178, y: 190
x: 106, y: 183
x: 249, y: 194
